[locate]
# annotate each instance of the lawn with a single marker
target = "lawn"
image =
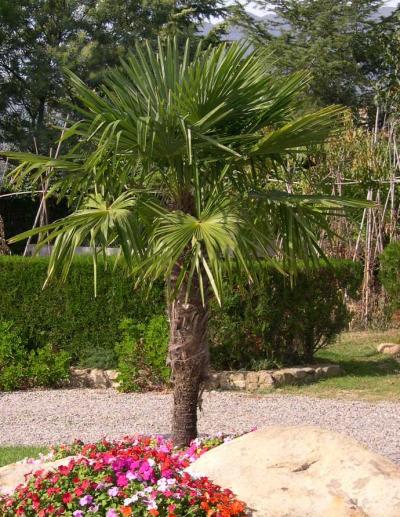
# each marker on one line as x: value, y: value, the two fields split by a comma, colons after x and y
x: 13, y: 454
x: 369, y: 374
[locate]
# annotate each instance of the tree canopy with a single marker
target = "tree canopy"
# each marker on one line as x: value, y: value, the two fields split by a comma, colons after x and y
x: 336, y: 40
x: 40, y: 37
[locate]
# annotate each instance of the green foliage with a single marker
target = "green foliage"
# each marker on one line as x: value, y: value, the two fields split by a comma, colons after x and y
x: 67, y: 315
x: 331, y: 39
x: 38, y: 38
x: 48, y: 368
x: 259, y: 326
x: 12, y: 358
x: 389, y: 272
x: 142, y: 354
x: 44, y: 367
x: 275, y: 324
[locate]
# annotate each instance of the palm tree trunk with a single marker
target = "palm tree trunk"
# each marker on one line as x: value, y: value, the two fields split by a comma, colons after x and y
x: 188, y: 356
x: 4, y: 249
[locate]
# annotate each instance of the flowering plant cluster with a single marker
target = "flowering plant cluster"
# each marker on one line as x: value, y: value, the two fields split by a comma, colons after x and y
x: 138, y: 476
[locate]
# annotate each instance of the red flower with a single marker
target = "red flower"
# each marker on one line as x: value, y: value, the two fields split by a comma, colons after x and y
x: 67, y: 498
x: 85, y: 484
x: 78, y: 491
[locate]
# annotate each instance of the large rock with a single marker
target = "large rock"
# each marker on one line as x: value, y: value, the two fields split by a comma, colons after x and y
x: 13, y: 475
x: 304, y: 472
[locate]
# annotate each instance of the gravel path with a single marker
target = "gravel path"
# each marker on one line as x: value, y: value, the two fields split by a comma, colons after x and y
x: 46, y: 417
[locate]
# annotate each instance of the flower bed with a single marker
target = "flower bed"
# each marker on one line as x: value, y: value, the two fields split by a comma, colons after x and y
x: 138, y: 476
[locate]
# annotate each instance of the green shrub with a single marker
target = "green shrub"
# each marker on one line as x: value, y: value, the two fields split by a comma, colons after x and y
x: 262, y: 326
x: 142, y: 354
x: 18, y: 370
x: 12, y: 358
x: 389, y: 272
x: 67, y: 315
x: 274, y: 324
x: 48, y: 368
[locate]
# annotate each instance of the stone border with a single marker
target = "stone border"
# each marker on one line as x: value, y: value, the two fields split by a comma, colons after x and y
x: 226, y: 380
x: 267, y: 379
x: 92, y: 378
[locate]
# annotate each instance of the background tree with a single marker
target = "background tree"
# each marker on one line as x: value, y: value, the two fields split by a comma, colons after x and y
x: 330, y: 39
x: 176, y: 164
x: 39, y: 37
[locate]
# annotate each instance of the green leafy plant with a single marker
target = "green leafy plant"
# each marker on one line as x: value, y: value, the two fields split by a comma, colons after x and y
x: 13, y: 371
x: 19, y: 369
x: 276, y: 323
x: 142, y: 354
x: 48, y: 368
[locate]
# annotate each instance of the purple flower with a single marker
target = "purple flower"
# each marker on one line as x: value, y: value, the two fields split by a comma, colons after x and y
x: 87, y: 499
x: 111, y: 513
x: 113, y: 492
x: 78, y: 513
x: 94, y: 508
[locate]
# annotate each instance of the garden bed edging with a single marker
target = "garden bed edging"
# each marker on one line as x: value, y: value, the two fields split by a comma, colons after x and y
x: 225, y: 380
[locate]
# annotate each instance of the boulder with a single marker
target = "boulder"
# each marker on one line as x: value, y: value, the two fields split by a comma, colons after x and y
x: 389, y: 348
x: 13, y: 475
x: 304, y: 472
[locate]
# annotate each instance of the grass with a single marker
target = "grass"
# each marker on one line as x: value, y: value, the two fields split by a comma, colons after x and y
x: 12, y: 454
x: 369, y: 374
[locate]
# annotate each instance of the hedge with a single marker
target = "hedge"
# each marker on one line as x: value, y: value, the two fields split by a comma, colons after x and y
x: 68, y: 315
x: 272, y: 322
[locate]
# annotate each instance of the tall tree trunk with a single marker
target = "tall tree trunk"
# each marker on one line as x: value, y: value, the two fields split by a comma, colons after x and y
x: 188, y: 356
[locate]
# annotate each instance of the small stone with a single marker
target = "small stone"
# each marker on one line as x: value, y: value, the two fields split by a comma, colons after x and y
x: 333, y: 370
x: 213, y: 381
x: 252, y: 377
x: 111, y: 374
x: 389, y: 348
x: 236, y: 376
x: 98, y: 379
x: 80, y: 378
x: 283, y: 377
x: 224, y: 380
x: 239, y: 383
x: 265, y: 379
x: 252, y: 386
x: 298, y: 373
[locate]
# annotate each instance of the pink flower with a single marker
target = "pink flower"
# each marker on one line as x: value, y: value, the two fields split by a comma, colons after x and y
x: 113, y: 492
x: 84, y: 501
x: 122, y: 480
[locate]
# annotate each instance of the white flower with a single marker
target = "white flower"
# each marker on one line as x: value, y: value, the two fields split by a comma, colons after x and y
x: 129, y: 500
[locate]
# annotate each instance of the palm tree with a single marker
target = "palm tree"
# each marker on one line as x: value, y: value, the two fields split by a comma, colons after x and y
x: 174, y: 164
